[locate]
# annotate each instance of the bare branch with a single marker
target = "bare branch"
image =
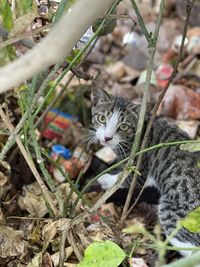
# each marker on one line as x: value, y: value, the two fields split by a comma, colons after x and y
x: 56, y: 45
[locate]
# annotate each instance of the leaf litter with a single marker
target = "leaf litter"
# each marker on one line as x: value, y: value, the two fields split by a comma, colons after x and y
x: 28, y: 235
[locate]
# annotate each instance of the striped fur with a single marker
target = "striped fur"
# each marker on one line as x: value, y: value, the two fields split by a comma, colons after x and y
x: 174, y: 172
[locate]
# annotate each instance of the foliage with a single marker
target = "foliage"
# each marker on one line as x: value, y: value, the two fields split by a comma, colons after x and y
x: 192, y: 221
x: 15, y: 22
x: 102, y: 254
x: 6, y: 14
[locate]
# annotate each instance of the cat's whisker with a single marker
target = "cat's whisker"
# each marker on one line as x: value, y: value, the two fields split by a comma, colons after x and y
x: 91, y: 141
x: 90, y: 134
x: 122, y: 149
x: 124, y: 144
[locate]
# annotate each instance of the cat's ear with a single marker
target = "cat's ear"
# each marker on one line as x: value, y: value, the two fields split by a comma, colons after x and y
x: 99, y: 95
x: 135, y: 108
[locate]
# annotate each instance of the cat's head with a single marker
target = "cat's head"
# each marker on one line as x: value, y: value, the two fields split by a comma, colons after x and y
x: 114, y: 119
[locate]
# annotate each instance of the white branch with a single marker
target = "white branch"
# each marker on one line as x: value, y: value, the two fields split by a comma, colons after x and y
x: 56, y: 45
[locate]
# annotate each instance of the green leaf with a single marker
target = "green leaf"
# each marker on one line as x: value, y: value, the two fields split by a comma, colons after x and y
x: 6, y: 13
x: 102, y: 254
x: 192, y: 221
x: 191, y: 147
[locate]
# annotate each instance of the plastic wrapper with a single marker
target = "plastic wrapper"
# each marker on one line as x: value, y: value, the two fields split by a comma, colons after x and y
x: 79, y: 161
x: 57, y: 122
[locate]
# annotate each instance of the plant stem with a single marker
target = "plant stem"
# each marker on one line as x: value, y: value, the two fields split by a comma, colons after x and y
x: 76, y: 58
x: 20, y: 124
x: 31, y: 165
x: 161, y: 96
x: 142, y: 114
x: 44, y: 171
x: 141, y: 23
x: 40, y: 92
x: 120, y: 163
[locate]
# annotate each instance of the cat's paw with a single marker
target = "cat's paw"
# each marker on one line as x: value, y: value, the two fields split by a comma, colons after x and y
x: 107, y: 180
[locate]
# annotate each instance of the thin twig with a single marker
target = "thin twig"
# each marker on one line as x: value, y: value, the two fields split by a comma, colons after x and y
x: 24, y: 35
x: 43, y: 169
x: 122, y: 162
x: 76, y: 58
x: 161, y: 96
x: 145, y: 98
x: 127, y: 169
x: 141, y: 23
x: 62, y: 246
x: 72, y: 242
x: 20, y: 124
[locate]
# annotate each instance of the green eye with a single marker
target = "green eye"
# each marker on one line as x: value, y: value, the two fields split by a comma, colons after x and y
x: 101, y: 118
x: 124, y: 127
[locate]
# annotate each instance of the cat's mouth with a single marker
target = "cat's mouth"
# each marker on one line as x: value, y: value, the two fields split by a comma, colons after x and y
x: 111, y: 144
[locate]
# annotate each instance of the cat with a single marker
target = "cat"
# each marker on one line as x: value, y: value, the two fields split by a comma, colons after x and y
x: 170, y: 170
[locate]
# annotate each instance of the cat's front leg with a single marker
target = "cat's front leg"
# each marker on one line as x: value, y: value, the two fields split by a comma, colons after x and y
x: 108, y: 180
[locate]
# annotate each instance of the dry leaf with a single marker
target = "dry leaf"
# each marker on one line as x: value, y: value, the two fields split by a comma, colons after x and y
x: 46, y: 261
x: 12, y: 243
x: 33, y: 201
x: 97, y: 232
x: 109, y: 211
x: 181, y: 103
x: 55, y: 256
x: 4, y: 173
x: 65, y: 189
x: 52, y: 228
x: 36, y: 261
x: 137, y: 262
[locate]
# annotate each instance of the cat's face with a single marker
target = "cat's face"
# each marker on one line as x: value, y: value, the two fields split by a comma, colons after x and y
x: 114, y: 120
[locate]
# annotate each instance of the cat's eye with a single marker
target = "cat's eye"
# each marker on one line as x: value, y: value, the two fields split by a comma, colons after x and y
x: 124, y: 127
x: 101, y: 118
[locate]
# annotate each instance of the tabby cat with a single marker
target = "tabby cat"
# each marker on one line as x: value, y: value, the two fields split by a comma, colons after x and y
x: 173, y: 172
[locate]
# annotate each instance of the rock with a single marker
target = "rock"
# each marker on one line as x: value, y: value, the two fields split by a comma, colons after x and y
x: 195, y: 13
x: 117, y: 70
x: 125, y: 90
x: 135, y: 58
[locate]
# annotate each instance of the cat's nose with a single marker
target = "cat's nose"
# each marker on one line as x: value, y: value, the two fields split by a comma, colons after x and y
x: 108, y: 138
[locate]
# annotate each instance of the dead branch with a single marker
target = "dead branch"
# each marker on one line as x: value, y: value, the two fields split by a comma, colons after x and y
x: 56, y: 45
